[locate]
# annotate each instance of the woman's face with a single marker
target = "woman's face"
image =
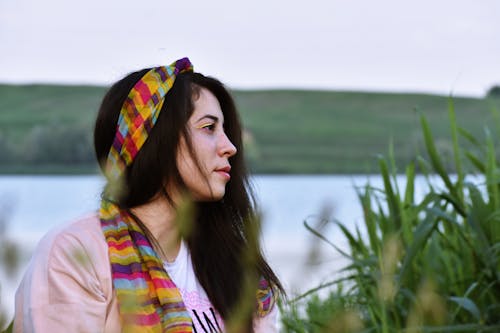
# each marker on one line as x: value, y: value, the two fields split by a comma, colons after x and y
x: 212, y: 149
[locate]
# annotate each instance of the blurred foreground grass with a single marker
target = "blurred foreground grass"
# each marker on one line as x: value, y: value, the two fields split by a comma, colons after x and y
x: 9, y: 257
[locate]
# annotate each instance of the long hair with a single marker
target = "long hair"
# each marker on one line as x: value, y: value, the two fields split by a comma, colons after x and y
x: 222, y: 231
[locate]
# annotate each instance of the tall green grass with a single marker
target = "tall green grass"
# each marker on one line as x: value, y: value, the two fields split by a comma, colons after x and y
x: 418, y: 265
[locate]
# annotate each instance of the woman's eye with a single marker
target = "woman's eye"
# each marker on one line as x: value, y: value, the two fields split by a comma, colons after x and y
x: 209, y: 127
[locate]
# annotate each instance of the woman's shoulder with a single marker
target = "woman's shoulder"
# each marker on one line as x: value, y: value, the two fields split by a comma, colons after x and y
x: 87, y: 226
x: 81, y: 238
x: 76, y: 253
x: 69, y: 275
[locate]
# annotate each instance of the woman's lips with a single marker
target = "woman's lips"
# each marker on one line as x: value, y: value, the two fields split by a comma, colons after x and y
x: 224, y: 172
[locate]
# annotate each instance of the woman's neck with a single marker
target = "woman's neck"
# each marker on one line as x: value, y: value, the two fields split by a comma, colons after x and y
x: 159, y: 217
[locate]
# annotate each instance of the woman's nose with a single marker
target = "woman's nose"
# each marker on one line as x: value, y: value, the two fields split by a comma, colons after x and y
x: 226, y: 147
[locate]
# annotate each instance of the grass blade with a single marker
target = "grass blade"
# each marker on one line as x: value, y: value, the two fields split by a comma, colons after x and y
x: 467, y: 304
x: 469, y: 137
x: 422, y: 233
x: 476, y: 162
x: 436, y: 161
x: 391, y: 198
x: 491, y: 169
x: 456, y: 150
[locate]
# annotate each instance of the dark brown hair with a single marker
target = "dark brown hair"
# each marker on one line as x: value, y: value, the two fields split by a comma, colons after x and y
x: 222, y: 229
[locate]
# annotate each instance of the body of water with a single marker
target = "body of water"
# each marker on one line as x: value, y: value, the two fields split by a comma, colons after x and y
x: 35, y: 204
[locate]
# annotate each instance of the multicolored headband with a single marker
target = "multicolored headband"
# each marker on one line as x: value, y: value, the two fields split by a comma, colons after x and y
x: 139, y: 113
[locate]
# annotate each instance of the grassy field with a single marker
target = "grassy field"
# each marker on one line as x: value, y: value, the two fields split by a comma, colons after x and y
x: 287, y: 131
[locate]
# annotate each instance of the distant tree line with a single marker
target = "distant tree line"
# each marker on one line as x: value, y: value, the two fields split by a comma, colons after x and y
x: 494, y: 91
x: 52, y: 143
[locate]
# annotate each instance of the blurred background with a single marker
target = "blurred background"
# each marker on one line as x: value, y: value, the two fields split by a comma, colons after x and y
x: 323, y: 88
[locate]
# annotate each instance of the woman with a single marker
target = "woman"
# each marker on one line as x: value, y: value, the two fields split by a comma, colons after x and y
x: 164, y: 137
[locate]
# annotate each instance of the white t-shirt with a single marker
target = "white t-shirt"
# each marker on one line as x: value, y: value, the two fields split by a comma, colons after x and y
x: 204, y: 316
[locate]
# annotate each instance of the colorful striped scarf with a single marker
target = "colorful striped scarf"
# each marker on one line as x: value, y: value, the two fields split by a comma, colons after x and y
x: 148, y: 299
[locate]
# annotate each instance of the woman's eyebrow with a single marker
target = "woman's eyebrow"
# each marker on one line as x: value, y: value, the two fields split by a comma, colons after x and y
x: 209, y: 116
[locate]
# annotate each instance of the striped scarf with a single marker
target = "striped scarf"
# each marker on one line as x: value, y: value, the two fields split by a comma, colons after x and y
x: 148, y: 299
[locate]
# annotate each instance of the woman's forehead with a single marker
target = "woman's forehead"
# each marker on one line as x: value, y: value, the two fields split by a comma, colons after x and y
x: 207, y: 105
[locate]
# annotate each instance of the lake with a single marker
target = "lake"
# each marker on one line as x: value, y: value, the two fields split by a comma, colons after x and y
x: 32, y: 205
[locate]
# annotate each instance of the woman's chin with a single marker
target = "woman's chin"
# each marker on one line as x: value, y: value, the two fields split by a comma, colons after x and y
x: 209, y: 197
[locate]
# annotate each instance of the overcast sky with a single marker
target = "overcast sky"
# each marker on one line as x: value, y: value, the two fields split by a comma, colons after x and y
x: 395, y: 45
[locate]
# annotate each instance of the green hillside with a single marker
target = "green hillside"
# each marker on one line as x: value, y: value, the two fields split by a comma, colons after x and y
x: 48, y: 128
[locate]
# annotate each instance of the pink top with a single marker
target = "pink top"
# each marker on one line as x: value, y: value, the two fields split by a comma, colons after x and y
x: 68, y: 287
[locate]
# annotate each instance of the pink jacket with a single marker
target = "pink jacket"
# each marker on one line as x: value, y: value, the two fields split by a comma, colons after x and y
x: 68, y: 288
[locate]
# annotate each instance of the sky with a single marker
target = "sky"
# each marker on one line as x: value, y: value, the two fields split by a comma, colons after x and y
x: 432, y: 46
